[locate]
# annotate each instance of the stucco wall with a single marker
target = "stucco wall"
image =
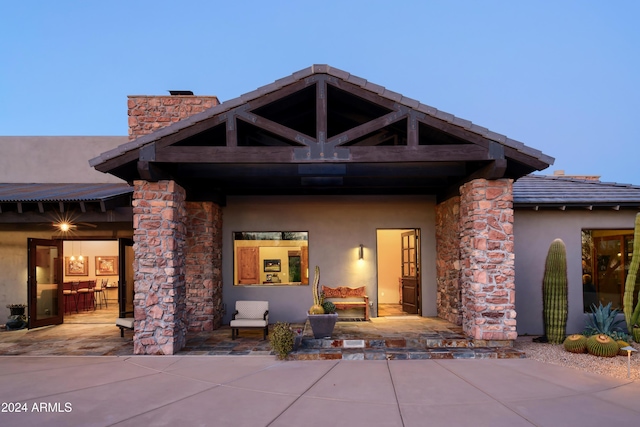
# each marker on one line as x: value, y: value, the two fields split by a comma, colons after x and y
x: 534, y: 231
x: 336, y: 226
x: 54, y: 159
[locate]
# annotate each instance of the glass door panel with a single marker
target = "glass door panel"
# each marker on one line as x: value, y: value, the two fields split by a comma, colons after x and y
x: 44, y: 283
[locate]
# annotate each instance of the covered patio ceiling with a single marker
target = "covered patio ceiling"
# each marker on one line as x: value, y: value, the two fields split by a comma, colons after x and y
x: 321, y: 131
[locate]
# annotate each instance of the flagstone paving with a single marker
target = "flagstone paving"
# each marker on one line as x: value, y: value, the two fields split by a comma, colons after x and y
x: 378, y: 339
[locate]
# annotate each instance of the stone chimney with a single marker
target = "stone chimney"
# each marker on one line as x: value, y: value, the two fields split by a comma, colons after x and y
x: 150, y: 113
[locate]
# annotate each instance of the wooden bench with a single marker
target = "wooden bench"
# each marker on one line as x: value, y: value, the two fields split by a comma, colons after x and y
x: 352, y: 295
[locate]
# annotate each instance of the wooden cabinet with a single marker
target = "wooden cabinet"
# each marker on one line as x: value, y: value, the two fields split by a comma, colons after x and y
x: 248, y: 266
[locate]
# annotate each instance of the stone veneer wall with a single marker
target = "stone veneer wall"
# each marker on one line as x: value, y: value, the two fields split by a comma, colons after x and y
x: 159, y: 217
x: 150, y: 113
x: 448, y: 260
x: 204, y: 266
x: 487, y: 259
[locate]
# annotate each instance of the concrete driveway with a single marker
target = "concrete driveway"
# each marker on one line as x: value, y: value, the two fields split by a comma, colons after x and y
x: 261, y: 391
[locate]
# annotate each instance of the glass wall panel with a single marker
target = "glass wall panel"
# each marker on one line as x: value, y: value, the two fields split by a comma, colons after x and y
x: 606, y: 257
x: 271, y: 258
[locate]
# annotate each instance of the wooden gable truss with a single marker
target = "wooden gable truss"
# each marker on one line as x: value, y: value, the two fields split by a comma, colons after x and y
x: 321, y: 132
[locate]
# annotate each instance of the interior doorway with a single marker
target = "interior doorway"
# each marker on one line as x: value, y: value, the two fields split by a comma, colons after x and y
x: 91, y: 265
x: 398, y: 272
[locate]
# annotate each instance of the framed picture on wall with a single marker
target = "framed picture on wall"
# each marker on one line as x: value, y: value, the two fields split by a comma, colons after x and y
x: 76, y: 266
x: 106, y: 265
x: 272, y: 265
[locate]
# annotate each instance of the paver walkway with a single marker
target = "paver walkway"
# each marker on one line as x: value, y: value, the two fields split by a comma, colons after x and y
x: 261, y: 391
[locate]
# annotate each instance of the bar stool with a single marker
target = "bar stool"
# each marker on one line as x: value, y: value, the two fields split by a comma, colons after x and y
x: 101, y: 293
x: 70, y: 290
x: 89, y: 292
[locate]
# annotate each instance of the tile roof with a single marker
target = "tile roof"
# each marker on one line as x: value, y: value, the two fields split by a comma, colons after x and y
x: 556, y: 191
x: 304, y: 74
x: 528, y: 191
x: 12, y: 193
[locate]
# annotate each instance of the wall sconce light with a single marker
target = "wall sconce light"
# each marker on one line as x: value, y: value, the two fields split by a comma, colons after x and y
x: 361, y: 252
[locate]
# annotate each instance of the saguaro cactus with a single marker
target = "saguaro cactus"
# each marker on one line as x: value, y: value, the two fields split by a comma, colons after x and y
x: 555, y: 292
x: 631, y: 315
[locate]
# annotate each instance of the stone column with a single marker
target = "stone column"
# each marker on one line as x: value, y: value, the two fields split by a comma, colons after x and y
x: 448, y: 260
x: 159, y: 217
x: 487, y: 260
x: 204, y: 266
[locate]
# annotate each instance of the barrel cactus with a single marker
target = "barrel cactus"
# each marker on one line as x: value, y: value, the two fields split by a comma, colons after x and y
x: 630, y: 314
x: 602, y: 345
x: 554, y: 292
x: 576, y: 343
x: 329, y: 307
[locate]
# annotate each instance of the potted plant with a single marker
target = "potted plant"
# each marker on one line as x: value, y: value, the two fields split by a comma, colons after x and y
x: 17, y: 319
x: 322, y: 315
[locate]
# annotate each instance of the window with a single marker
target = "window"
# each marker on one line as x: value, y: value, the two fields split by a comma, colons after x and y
x: 606, y: 257
x: 271, y: 258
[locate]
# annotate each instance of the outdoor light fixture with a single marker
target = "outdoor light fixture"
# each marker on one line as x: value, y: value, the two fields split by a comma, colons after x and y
x: 361, y: 252
x: 64, y: 226
x: 629, y: 350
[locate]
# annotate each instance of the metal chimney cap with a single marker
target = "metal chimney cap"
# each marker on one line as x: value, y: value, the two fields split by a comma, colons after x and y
x: 180, y: 92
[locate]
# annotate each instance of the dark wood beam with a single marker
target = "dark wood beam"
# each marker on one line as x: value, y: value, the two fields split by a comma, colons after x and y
x: 192, y: 130
x: 412, y: 130
x: 232, y: 134
x: 382, y: 154
x: 225, y: 155
x: 362, y: 93
x: 421, y: 153
x: 120, y: 215
x: 281, y: 93
x: 378, y: 138
x: 152, y: 172
x: 276, y: 128
x: 494, y: 170
x: 369, y: 127
x: 321, y: 111
x: 525, y: 159
x: 164, y: 141
x: 454, y: 130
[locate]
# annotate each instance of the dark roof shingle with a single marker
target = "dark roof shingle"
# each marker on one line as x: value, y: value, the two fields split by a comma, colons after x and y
x: 555, y: 191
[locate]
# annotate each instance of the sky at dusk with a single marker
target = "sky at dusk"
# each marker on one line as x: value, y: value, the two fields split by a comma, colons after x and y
x: 559, y: 76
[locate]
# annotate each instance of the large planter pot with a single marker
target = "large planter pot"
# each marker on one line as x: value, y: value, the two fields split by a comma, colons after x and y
x: 322, y: 324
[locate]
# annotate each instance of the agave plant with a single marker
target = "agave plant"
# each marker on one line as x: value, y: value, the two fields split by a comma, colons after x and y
x: 602, y: 320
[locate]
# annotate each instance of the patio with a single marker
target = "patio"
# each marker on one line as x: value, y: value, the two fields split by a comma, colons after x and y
x: 378, y: 339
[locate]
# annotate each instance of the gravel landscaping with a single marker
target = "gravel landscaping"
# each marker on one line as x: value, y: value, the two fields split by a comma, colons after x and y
x: 557, y: 355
